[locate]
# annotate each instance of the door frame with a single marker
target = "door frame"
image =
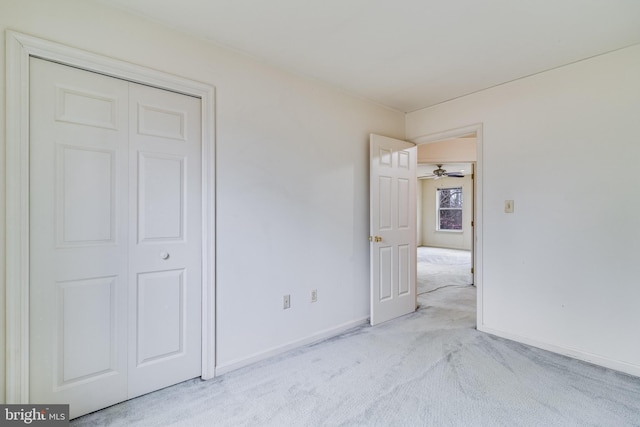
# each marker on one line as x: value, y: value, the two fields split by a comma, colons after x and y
x: 477, y: 202
x: 19, y: 48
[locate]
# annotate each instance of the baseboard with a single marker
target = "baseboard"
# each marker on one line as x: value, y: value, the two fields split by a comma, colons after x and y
x: 317, y: 337
x: 617, y: 365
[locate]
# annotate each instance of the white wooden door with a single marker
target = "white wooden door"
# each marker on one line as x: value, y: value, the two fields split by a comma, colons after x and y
x: 165, y: 239
x: 114, y: 238
x: 393, y: 227
x: 78, y: 237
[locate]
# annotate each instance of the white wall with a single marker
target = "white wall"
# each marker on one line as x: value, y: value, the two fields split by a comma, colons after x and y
x: 457, y: 150
x: 292, y: 176
x: 560, y: 272
x: 446, y: 239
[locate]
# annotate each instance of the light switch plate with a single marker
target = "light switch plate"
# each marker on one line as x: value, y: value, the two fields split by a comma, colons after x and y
x: 508, y: 206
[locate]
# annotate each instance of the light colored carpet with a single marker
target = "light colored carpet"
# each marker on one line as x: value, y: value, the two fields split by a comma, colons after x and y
x: 438, y: 267
x: 429, y: 368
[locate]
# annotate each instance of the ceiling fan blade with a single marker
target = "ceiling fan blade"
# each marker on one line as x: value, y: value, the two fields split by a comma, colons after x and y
x: 454, y: 174
x: 427, y: 177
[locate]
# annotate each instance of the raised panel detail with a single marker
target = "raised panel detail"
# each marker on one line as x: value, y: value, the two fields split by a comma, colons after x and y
x: 386, y: 157
x: 85, y: 108
x: 161, y: 202
x: 160, y: 315
x: 403, y: 160
x: 385, y: 255
x: 155, y: 121
x: 85, y: 196
x: 86, y: 329
x: 403, y: 203
x: 404, y: 272
x: 384, y: 207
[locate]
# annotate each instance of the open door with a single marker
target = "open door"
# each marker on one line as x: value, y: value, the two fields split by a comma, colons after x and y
x: 393, y: 227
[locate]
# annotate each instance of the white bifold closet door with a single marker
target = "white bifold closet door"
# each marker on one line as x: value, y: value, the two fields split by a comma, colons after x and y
x: 115, y: 238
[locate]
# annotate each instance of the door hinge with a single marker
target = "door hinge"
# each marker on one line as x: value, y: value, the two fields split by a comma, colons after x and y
x: 472, y: 223
x: 471, y: 270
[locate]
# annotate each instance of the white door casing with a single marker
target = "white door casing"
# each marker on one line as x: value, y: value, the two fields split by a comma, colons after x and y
x: 19, y: 49
x: 393, y: 227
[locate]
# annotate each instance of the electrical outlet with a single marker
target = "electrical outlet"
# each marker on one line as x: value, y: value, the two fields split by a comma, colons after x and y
x: 314, y: 295
x: 286, y: 302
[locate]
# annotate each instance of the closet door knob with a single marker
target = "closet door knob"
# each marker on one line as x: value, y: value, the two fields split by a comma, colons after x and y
x: 164, y: 255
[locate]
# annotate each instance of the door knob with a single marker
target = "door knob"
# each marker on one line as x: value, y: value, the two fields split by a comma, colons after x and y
x: 164, y: 255
x: 376, y: 239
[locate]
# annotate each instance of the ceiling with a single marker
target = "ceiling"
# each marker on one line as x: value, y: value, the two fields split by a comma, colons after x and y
x: 406, y: 54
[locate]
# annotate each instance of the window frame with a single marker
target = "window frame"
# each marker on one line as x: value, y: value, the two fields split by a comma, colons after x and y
x: 439, y: 209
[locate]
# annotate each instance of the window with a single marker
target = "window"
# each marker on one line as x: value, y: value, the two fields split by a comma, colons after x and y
x: 449, y: 208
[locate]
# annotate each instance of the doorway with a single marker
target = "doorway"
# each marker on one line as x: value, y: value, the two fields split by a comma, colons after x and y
x: 407, y: 156
x: 448, y: 256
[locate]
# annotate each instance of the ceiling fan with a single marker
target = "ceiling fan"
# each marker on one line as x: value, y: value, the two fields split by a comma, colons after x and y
x: 439, y: 173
